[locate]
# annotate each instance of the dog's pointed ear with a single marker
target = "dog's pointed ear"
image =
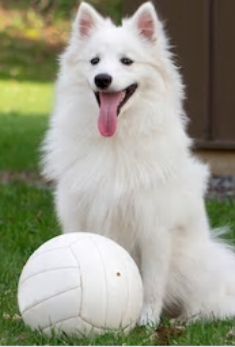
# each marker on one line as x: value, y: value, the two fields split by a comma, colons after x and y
x: 87, y: 19
x: 146, y: 21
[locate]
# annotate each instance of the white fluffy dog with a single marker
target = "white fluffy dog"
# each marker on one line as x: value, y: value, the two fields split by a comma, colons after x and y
x: 120, y: 158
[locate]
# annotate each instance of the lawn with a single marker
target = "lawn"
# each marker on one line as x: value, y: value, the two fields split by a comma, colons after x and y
x: 27, y: 71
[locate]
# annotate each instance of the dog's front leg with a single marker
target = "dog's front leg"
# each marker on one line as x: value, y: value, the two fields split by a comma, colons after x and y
x: 155, y: 258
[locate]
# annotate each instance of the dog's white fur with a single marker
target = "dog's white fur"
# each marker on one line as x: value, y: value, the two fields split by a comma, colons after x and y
x: 141, y: 187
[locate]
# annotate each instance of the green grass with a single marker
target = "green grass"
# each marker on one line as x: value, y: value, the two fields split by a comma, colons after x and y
x: 26, y: 221
x: 24, y: 110
x: 27, y: 71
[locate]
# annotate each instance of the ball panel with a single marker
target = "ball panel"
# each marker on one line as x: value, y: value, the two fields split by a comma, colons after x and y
x: 61, y: 241
x: 44, y: 286
x: 51, y: 311
x: 49, y: 260
x: 93, y: 282
x: 114, y: 259
x: 73, y: 326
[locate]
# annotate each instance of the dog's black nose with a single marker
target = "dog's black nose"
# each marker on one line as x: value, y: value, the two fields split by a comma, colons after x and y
x: 103, y: 80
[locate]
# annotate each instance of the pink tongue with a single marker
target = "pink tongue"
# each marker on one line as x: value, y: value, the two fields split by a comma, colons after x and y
x: 107, y: 122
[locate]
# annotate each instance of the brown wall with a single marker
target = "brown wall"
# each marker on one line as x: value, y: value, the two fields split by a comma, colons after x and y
x: 203, y: 35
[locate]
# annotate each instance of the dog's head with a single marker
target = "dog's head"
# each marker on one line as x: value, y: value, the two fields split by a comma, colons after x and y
x: 119, y: 63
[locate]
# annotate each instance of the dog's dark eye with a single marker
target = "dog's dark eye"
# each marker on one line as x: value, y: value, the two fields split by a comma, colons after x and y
x: 95, y: 61
x: 126, y: 61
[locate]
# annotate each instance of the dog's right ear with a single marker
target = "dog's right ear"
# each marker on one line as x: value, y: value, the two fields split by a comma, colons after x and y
x: 87, y: 20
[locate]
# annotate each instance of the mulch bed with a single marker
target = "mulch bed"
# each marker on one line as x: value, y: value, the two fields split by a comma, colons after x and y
x: 219, y: 186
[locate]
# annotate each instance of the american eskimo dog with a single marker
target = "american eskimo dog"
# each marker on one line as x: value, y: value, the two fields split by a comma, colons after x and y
x: 121, y: 161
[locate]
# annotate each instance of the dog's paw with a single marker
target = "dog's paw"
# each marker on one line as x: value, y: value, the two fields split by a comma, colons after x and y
x: 149, y: 316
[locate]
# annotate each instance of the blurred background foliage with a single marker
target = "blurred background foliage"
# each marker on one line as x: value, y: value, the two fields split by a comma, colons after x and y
x: 34, y: 32
x: 63, y: 8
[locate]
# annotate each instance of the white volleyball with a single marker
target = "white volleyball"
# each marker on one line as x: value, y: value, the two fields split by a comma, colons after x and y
x: 80, y: 283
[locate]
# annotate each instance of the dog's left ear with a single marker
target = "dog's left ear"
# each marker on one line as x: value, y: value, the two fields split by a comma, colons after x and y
x: 87, y: 19
x: 146, y: 21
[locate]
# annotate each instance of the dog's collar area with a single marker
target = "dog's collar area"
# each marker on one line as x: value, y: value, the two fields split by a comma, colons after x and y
x: 127, y: 93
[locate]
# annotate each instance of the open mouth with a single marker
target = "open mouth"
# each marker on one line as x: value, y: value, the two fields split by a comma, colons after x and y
x: 122, y: 96
x: 110, y: 104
